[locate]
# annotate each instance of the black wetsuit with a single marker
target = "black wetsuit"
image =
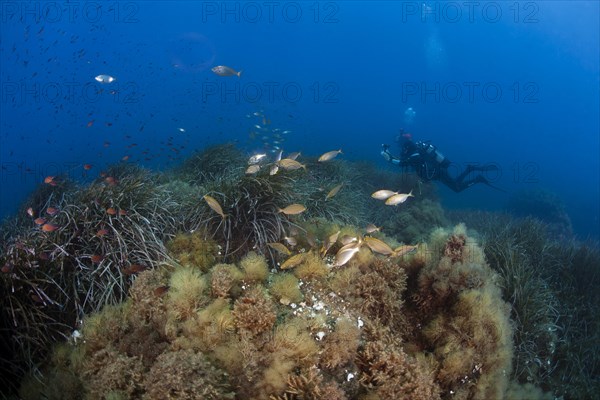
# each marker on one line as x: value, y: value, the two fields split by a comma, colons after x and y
x: 430, y: 164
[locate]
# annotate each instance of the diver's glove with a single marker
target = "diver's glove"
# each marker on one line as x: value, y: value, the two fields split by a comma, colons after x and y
x: 385, y: 152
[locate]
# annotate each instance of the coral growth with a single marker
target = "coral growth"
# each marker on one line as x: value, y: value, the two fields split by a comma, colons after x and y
x: 255, y: 267
x: 312, y: 267
x: 285, y: 288
x: 185, y: 374
x: 193, y: 250
x: 389, y: 373
x: 339, y: 333
x: 254, y: 312
x: 339, y: 347
x: 225, y: 280
x: 186, y: 292
x: 465, y: 322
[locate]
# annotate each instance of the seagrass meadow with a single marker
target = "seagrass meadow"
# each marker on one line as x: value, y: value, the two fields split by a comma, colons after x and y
x: 135, y: 287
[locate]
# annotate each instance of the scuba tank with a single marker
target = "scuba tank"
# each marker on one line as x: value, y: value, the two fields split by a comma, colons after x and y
x: 433, y: 159
x: 432, y: 152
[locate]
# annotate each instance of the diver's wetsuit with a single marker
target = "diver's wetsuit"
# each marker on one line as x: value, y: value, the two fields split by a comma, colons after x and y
x: 430, y: 164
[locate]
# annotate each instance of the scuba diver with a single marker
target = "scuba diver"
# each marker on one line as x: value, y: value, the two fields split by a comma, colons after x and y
x: 430, y: 164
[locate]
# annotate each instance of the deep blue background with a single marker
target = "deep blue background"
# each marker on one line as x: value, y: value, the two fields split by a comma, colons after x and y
x: 358, y: 65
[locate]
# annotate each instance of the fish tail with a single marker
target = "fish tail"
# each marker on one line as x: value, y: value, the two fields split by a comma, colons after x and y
x: 239, y: 74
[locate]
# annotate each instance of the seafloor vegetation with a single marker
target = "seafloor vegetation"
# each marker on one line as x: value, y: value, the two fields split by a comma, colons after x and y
x: 201, y: 283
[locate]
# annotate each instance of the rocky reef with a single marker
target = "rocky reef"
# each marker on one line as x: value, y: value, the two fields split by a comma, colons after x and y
x: 423, y: 326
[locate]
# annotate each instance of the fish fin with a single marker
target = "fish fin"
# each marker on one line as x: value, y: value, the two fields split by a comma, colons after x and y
x: 239, y: 74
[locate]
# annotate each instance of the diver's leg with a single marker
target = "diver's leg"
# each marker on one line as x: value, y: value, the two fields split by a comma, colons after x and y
x: 468, y: 169
x: 472, y: 167
x: 452, y: 183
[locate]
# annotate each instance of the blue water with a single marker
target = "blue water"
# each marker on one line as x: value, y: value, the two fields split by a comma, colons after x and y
x: 510, y: 83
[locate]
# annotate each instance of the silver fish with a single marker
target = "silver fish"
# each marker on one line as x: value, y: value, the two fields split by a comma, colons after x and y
x: 330, y: 155
x: 103, y: 78
x: 290, y: 240
x: 372, y: 228
x: 383, y: 194
x: 378, y: 246
x: 398, y: 198
x: 346, y: 253
x: 347, y: 239
x: 222, y: 70
x: 252, y: 169
x: 255, y: 159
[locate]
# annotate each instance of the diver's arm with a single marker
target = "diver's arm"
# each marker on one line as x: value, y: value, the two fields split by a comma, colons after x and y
x: 385, y: 153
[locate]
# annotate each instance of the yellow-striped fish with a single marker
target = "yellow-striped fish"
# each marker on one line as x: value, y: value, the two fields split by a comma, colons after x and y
x: 398, y: 198
x: 346, y: 253
x: 280, y: 248
x: 293, y: 209
x: 404, y: 249
x: 378, y: 246
x: 289, y: 164
x: 214, y: 205
x: 293, y: 261
x: 330, y: 155
x: 333, y: 191
x: 330, y: 241
x: 383, y: 194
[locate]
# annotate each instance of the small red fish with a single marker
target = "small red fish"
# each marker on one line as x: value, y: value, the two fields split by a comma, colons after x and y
x: 134, y: 269
x: 122, y: 212
x: 6, y: 268
x: 111, y: 211
x: 90, y: 123
x: 49, y: 179
x: 39, y: 221
x: 87, y: 167
x: 96, y: 259
x: 110, y: 180
x: 49, y: 227
x: 102, y: 232
x: 30, y: 212
x: 52, y: 211
x: 125, y: 158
